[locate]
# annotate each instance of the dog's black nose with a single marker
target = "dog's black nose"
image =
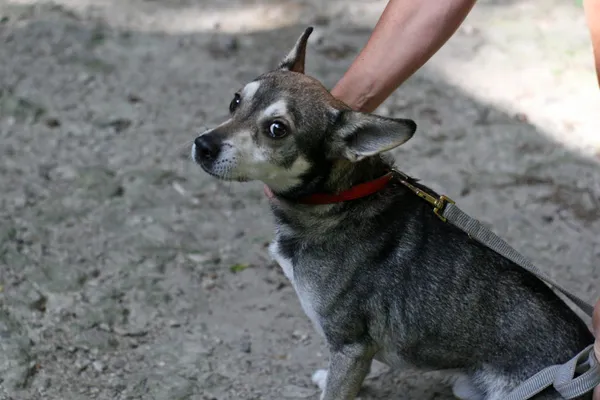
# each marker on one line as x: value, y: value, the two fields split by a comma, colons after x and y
x: 207, y: 147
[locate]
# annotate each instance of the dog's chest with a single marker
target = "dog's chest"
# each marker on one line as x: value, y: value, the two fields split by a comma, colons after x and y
x: 305, y: 294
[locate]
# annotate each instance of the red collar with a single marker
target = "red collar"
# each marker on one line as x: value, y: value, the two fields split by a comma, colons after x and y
x: 355, y: 192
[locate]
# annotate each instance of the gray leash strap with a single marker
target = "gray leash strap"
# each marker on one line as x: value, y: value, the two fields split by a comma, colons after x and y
x: 562, y: 377
x: 483, y: 235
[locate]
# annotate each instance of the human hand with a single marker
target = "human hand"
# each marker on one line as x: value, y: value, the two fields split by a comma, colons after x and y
x: 270, y: 195
x: 596, y: 325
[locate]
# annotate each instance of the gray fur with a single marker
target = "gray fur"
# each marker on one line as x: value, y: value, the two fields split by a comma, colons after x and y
x: 382, y: 277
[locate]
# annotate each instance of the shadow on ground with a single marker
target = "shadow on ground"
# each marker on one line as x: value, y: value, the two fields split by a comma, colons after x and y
x: 127, y: 273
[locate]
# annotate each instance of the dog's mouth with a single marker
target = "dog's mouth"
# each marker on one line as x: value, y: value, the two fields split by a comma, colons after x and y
x: 225, y: 175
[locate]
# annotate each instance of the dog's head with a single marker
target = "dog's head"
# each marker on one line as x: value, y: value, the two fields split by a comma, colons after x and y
x: 286, y: 130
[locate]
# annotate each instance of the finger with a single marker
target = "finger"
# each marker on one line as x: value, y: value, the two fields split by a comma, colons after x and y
x: 270, y: 195
x: 596, y: 321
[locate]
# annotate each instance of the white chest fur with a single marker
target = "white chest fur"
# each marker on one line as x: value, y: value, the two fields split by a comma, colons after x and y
x: 306, y: 297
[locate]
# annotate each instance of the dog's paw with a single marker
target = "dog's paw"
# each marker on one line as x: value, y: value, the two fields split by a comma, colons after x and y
x: 319, y: 378
x: 463, y: 389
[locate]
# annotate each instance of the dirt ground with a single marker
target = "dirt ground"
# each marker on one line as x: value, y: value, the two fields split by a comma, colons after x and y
x: 128, y: 273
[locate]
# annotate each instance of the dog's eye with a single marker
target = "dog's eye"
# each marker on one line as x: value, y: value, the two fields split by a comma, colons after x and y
x: 277, y: 130
x: 235, y: 102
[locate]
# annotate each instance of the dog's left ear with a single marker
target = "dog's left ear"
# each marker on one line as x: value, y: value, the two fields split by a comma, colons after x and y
x: 360, y: 135
x: 294, y: 61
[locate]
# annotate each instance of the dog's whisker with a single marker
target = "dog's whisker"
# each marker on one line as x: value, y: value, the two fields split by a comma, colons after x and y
x: 187, y: 145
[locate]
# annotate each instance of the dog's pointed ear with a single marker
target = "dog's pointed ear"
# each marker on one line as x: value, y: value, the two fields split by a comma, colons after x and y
x: 360, y: 135
x: 294, y: 61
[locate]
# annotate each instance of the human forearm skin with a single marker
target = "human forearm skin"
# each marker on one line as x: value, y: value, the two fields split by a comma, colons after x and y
x: 592, y: 15
x: 408, y: 33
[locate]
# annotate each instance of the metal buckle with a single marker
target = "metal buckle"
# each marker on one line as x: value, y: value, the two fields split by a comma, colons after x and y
x: 440, y: 205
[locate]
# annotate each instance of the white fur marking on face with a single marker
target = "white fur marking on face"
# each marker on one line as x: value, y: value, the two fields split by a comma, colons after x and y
x: 250, y: 90
x: 276, y: 109
x: 282, y: 179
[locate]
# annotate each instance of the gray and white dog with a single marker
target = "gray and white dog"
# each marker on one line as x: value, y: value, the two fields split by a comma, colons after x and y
x: 381, y: 276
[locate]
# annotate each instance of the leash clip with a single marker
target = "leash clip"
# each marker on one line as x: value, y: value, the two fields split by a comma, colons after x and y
x: 438, y: 203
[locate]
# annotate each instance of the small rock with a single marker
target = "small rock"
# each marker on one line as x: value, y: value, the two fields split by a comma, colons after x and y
x: 299, y: 335
x: 20, y: 202
x: 120, y: 124
x: 40, y: 303
x: 548, y: 218
x: 132, y: 98
x: 209, y: 283
x: 198, y: 258
x: 63, y: 172
x: 245, y: 344
x: 81, y: 365
x: 98, y: 366
x: 118, y: 191
x: 52, y: 122
x: 118, y: 364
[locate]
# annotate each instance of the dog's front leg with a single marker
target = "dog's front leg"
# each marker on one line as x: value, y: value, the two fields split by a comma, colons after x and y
x: 347, y: 370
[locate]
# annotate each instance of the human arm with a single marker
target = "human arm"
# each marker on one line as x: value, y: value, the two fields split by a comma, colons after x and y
x: 592, y: 16
x: 407, y: 34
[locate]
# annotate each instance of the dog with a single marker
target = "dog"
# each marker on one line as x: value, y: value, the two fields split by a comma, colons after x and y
x: 378, y: 273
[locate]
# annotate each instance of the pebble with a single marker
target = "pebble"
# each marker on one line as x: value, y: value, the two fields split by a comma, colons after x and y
x: 118, y: 364
x: 81, y: 365
x: 198, y: 258
x: 98, y: 366
x: 209, y: 283
x: 298, y: 335
x: 245, y: 344
x: 63, y: 172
